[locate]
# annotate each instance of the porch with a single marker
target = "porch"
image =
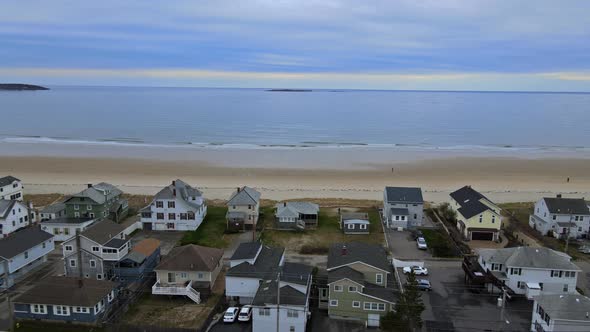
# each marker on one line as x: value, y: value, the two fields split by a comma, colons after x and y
x: 185, y: 289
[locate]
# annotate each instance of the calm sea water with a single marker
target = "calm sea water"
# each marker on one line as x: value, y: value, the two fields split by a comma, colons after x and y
x: 257, y: 117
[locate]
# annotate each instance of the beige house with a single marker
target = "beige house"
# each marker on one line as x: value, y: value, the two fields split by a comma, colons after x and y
x: 242, y: 209
x: 190, y: 270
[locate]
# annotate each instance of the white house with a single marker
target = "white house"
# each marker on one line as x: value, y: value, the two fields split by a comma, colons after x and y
x: 14, y: 215
x: 561, y: 216
x: 287, y: 297
x: 243, y: 207
x: 177, y: 207
x: 64, y: 228
x: 403, y: 207
x: 561, y: 313
x: 102, y: 246
x: 21, y: 252
x: 251, y: 264
x: 530, y: 271
x: 11, y: 188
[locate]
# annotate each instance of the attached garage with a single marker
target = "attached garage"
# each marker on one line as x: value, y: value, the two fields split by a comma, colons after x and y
x: 480, y: 235
x: 373, y: 320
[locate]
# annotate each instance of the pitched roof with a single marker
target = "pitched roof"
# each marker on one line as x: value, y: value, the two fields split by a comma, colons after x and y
x: 5, y: 207
x: 293, y: 209
x: 469, y: 200
x: 191, y: 257
x: 267, y: 294
x: 146, y: 246
x: 115, y: 243
x: 103, y: 231
x: 296, y: 273
x: 54, y: 208
x: 99, y: 192
x: 356, y: 221
x: 67, y: 291
x: 527, y: 257
x: 354, y: 215
x: 400, y: 212
x: 66, y: 220
x: 265, y: 267
x: 179, y: 190
x: 561, y: 205
x: 371, y: 254
x: 346, y: 272
x: 566, y: 306
x: 404, y: 194
x: 6, y: 180
x: 244, y: 196
x: 246, y: 250
x: 22, y: 240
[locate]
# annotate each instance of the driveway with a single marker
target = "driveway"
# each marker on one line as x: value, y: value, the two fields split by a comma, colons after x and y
x: 322, y: 323
x: 233, y: 327
x: 403, y: 246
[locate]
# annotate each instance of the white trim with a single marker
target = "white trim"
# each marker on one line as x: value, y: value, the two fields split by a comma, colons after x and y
x: 333, y: 305
x: 346, y: 279
x: 376, y: 298
x: 369, y: 265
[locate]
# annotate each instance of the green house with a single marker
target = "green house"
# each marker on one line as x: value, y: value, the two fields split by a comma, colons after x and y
x: 98, y: 201
x: 359, y: 284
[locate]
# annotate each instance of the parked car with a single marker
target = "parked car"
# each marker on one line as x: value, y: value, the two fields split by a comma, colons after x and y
x: 419, y: 271
x: 424, y: 285
x: 416, y: 233
x: 584, y: 249
x: 245, y: 314
x: 231, y: 314
x: 421, y: 243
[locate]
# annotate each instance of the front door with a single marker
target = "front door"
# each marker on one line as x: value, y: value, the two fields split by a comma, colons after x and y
x: 171, y: 277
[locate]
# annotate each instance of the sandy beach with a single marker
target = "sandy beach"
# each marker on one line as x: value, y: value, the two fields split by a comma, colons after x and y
x: 297, y: 173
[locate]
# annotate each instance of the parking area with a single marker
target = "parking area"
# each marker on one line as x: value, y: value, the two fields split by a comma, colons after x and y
x: 232, y: 327
x: 452, y: 300
x: 403, y: 246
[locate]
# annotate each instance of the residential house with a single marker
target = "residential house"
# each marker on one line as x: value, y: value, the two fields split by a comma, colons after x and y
x: 139, y: 264
x: 66, y: 300
x: 561, y: 217
x: 527, y: 271
x: 561, y: 313
x: 177, y: 207
x: 14, y: 215
x: 190, y: 270
x: 100, y: 201
x: 478, y: 218
x: 355, y: 223
x: 11, y: 188
x: 21, y: 252
x: 403, y: 207
x: 53, y: 211
x: 63, y: 228
x: 250, y: 265
x: 284, y: 299
x: 96, y: 251
x: 360, y: 283
x: 242, y: 209
x: 296, y: 215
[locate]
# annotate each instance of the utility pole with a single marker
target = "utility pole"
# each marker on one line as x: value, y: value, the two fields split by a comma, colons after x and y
x: 502, y: 313
x: 278, y: 299
x: 569, y: 227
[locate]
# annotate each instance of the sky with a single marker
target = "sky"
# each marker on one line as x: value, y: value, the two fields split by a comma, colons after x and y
x: 514, y: 45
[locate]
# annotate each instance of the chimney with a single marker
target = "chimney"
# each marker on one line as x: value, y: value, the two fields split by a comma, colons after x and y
x: 174, y: 183
x: 285, y: 204
x: 558, y: 195
x: 90, y: 185
x: 238, y: 189
x: 344, y: 251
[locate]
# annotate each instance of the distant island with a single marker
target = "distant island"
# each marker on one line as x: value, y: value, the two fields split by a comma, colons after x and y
x: 21, y: 87
x: 289, y: 90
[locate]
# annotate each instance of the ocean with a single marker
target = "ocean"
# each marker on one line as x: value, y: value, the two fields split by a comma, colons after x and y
x: 258, y: 118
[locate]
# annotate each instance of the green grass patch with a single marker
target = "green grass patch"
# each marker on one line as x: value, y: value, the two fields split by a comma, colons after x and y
x: 440, y: 244
x: 211, y: 231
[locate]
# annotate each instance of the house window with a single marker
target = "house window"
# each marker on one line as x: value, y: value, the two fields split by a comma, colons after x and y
x: 171, y: 204
x: 363, y: 226
x: 200, y: 275
x: 415, y: 216
x: 26, y: 255
x: 367, y: 306
x: 91, y: 215
x: 72, y: 262
x: 481, y: 218
x: 69, y: 248
x: 324, y: 292
x: 396, y: 217
x: 170, y: 225
x: 264, y: 311
x: 379, y: 278
x: 183, y: 216
x: 40, y: 309
x: 159, y: 204
x: 381, y: 307
x: 76, y: 207
x: 249, y: 207
x: 356, y: 304
x: 337, y: 288
x: 556, y: 274
x: 171, y: 216
x: 570, y: 274
x: 515, y: 271
x: 493, y: 219
x: 95, y: 249
x: 44, y: 245
x: 76, y: 214
x: 99, y: 276
x: 521, y: 284
x: 350, y: 226
x: 111, y: 296
x: 56, y: 231
x: 160, y: 216
x: 554, y: 217
x: 89, y: 207
x: 333, y: 303
x: 92, y: 263
x: 183, y: 275
x: 82, y: 310
x: 66, y: 231
x: 565, y: 288
x: 292, y: 313
x: 191, y: 215
x: 352, y: 288
x: 61, y: 310
x: 292, y: 329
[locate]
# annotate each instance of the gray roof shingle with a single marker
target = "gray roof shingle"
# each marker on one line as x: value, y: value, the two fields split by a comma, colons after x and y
x: 103, y: 231
x: 370, y: 254
x: 182, y: 190
x: 296, y: 273
x: 400, y: 212
x: 566, y: 306
x: 267, y: 294
x: 528, y: 257
x: 404, y: 194
x: 100, y: 192
x: 469, y: 200
x: 244, y: 196
x: 265, y: 267
x: 54, y: 208
x: 246, y: 250
x: 6, y: 180
x: 559, y: 205
x: 67, y: 291
x: 293, y: 209
x: 22, y: 240
x: 191, y: 257
x: 5, y: 207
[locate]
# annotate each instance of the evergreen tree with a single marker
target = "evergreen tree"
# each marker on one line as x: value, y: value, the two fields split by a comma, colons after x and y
x: 408, y: 309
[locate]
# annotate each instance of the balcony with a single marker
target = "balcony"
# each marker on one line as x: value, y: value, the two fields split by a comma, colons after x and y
x: 182, y: 290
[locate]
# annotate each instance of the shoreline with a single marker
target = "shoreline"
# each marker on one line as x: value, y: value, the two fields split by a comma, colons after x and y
x: 289, y: 174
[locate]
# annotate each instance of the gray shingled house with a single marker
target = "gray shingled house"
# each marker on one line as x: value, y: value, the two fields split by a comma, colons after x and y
x: 355, y: 223
x: 296, y: 215
x: 403, y: 207
x: 243, y: 207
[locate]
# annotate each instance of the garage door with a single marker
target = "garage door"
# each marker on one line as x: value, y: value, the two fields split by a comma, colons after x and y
x: 489, y: 236
x: 373, y: 320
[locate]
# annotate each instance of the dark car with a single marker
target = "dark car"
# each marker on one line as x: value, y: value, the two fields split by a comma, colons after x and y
x: 424, y: 285
x: 417, y: 233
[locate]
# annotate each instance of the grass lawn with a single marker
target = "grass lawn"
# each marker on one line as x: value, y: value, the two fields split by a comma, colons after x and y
x: 318, y: 241
x: 440, y: 243
x: 211, y: 233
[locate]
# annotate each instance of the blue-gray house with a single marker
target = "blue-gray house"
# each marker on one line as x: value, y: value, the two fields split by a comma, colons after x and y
x: 66, y: 299
x: 138, y: 265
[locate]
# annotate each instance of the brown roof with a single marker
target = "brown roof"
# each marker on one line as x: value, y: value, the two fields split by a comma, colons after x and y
x: 67, y: 291
x: 103, y: 231
x: 191, y: 258
x: 147, y: 246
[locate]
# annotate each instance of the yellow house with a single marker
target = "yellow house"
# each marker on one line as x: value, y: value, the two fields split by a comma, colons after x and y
x: 478, y: 218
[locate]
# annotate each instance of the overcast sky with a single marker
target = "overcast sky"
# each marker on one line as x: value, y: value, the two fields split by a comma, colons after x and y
x: 429, y: 44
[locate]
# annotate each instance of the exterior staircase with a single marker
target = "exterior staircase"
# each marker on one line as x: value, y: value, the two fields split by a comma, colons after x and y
x: 188, y: 291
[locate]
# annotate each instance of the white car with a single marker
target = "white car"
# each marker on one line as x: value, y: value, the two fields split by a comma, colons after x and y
x: 419, y: 271
x: 421, y: 243
x: 245, y: 314
x: 231, y: 314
